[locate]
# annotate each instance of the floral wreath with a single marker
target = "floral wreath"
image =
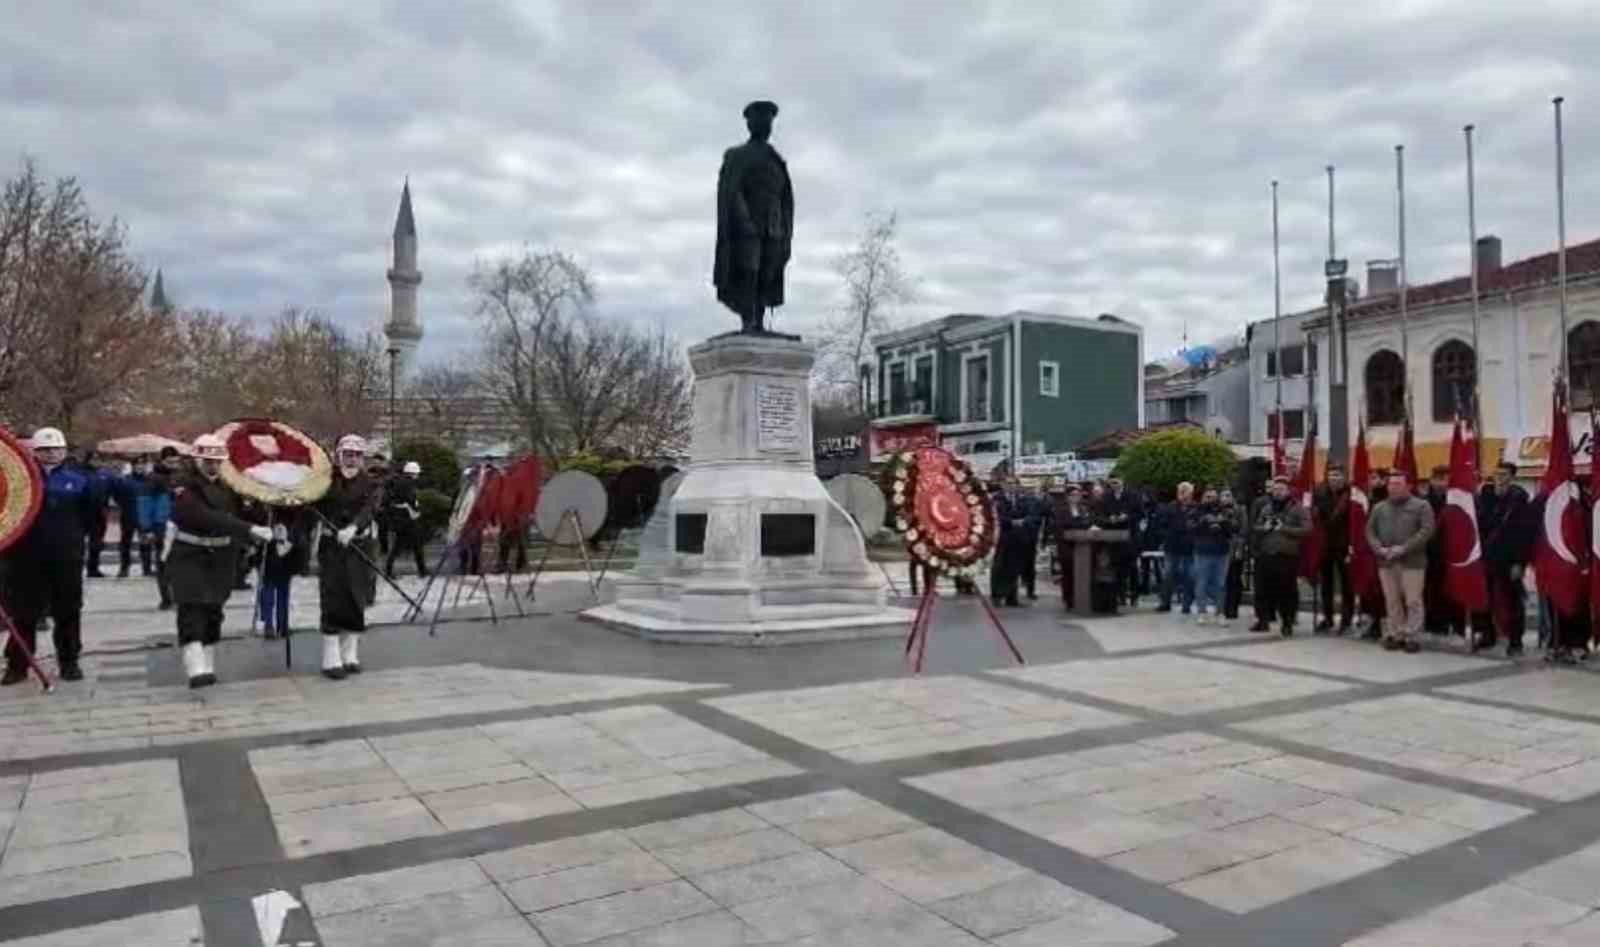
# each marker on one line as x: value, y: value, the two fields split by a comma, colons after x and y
x: 273, y: 463
x: 942, y: 509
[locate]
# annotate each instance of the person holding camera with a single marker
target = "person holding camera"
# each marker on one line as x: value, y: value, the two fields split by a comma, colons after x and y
x: 1280, y: 527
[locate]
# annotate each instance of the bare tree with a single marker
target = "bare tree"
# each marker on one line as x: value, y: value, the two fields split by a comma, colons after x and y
x: 215, y: 372
x: 444, y: 402
x: 522, y: 300
x: 875, y: 282
x: 315, y: 375
x: 613, y: 386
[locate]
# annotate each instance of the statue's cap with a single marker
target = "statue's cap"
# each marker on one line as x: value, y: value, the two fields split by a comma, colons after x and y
x: 761, y: 107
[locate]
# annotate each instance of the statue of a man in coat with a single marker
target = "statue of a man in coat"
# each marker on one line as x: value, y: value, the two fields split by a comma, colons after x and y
x: 755, y: 222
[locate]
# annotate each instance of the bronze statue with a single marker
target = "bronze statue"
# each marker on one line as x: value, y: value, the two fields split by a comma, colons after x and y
x: 755, y: 222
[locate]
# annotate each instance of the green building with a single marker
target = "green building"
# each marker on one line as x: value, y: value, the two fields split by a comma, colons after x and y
x: 991, y: 388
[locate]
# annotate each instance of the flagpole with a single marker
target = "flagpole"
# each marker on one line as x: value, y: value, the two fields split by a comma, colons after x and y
x: 1277, y: 315
x: 1561, y: 234
x: 1405, y: 352
x: 1477, y: 360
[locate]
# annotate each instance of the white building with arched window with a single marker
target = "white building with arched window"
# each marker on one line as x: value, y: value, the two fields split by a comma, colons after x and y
x: 1519, y: 338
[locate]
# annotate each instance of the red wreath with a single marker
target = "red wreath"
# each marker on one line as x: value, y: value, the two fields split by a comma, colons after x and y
x: 942, y: 509
x: 245, y: 454
x: 272, y: 463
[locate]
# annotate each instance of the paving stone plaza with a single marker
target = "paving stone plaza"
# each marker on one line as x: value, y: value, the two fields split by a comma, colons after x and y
x: 545, y: 780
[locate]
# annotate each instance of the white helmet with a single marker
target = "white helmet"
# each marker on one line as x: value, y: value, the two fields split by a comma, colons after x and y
x: 210, y: 447
x: 412, y: 467
x: 353, y: 443
x: 47, y: 437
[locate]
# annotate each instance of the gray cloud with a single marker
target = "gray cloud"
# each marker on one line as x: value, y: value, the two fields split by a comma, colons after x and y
x: 1077, y: 158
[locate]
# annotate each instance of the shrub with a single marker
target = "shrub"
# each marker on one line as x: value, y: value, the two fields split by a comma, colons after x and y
x: 435, y: 508
x: 1161, y: 461
x: 595, y: 464
x: 441, y: 468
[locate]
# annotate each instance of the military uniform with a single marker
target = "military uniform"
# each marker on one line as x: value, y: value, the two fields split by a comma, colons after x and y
x: 44, y: 571
x: 200, y: 568
x: 347, y: 583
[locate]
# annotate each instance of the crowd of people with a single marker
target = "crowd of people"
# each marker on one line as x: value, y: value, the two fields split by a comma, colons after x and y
x: 1196, y: 549
x: 202, y: 542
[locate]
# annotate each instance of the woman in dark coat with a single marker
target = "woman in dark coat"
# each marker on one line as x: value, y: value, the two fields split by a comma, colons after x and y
x: 346, y: 580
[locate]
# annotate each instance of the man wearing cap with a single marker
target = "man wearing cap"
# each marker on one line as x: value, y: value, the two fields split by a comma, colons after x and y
x: 209, y: 532
x: 400, y: 501
x: 44, y: 569
x: 346, y: 580
x: 1280, y: 527
x: 755, y: 222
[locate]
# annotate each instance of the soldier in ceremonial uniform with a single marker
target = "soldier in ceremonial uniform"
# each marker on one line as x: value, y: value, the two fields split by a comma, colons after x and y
x: 201, y: 565
x: 347, y: 581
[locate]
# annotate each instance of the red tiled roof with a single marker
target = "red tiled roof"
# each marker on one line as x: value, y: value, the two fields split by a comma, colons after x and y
x: 1109, y: 443
x: 1582, y: 260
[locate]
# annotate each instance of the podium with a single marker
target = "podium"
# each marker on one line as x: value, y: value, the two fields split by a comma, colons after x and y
x: 1083, y: 546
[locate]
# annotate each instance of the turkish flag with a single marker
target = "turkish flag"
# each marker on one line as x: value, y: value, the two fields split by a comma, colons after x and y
x: 1363, y: 564
x: 1464, y: 576
x: 1561, y: 554
x: 1594, y: 522
x: 1305, y: 487
x: 1405, y: 451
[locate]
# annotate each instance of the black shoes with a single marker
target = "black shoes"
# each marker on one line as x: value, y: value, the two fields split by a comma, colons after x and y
x: 1412, y: 646
x: 1287, y: 630
x: 334, y: 674
x: 352, y: 669
x: 70, y: 671
x: 1514, y: 649
x: 1391, y: 644
x: 1372, y: 634
x: 1259, y: 627
x: 14, y: 676
x: 1323, y: 627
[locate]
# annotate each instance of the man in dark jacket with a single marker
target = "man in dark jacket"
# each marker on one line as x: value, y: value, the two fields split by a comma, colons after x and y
x: 44, y: 569
x: 1506, y: 531
x: 1070, y: 514
x: 1017, y: 517
x: 1177, y: 549
x: 1332, y: 504
x: 202, y: 563
x: 404, y: 516
x: 1120, y: 509
x: 1372, y: 600
x: 100, y: 497
x: 1280, y: 528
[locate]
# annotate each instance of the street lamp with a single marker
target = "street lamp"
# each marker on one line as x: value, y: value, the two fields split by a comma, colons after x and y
x: 394, y: 355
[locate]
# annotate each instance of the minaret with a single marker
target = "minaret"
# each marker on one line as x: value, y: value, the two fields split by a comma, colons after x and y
x: 404, y: 329
x: 158, y: 296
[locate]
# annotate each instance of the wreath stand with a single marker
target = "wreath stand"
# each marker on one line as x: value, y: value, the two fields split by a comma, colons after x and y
x: 10, y: 635
x: 576, y: 519
x: 442, y: 570
x: 922, y: 622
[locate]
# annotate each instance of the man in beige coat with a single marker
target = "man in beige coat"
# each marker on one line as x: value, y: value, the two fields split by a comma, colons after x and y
x: 1398, y: 531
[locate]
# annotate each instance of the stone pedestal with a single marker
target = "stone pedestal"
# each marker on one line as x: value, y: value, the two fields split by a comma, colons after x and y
x: 751, y: 549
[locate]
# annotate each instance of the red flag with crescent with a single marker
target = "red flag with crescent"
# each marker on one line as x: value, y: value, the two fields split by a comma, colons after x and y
x: 1464, y: 577
x: 1363, y: 564
x: 1405, y: 451
x: 1594, y: 513
x: 1561, y: 554
x: 1305, y: 487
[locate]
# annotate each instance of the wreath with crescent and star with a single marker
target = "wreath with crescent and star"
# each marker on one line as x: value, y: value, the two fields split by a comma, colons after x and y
x: 942, y: 510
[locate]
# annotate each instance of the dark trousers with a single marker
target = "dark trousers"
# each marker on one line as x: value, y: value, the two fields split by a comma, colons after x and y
x: 199, y: 623
x: 927, y: 576
x: 1127, y: 573
x: 1178, y: 578
x: 1278, y: 589
x: 513, y: 541
x: 471, y: 556
x: 97, y: 543
x: 53, y: 588
x: 1572, y: 631
x: 1030, y: 569
x: 272, y: 603
x: 163, y: 587
x: 1336, y: 569
x: 1233, y: 588
x: 1508, y: 602
x: 147, y: 556
x: 1441, y: 613
x: 383, y: 535
x: 125, y: 547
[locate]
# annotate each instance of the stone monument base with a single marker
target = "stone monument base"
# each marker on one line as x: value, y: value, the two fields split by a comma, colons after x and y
x: 750, y: 548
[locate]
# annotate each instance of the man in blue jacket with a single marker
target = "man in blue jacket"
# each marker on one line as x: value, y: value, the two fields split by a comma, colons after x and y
x: 44, y: 569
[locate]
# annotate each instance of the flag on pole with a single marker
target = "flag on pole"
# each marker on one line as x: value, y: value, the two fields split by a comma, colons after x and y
x: 1405, y: 451
x: 1363, y: 564
x: 1280, y: 460
x: 1305, y: 486
x: 1594, y: 514
x: 1465, y: 580
x: 1556, y: 562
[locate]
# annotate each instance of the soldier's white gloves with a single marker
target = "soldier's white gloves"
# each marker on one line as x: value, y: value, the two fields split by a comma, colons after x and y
x: 345, y: 535
x: 261, y: 534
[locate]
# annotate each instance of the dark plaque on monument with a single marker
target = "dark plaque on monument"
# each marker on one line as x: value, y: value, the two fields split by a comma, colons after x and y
x: 690, y: 533
x: 788, y: 534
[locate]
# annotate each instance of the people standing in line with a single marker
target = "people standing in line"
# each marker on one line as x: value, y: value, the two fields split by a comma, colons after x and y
x: 1238, y: 548
x: 1173, y: 520
x: 1280, y: 528
x: 1506, y: 531
x: 1372, y: 600
x: 1441, y: 615
x: 346, y: 581
x: 404, y: 515
x: 1212, y: 529
x: 44, y: 568
x: 202, y: 564
x: 1069, y: 514
x: 1332, y: 504
x: 1398, y: 531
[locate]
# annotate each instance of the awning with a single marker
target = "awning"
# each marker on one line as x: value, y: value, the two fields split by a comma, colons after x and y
x: 139, y: 444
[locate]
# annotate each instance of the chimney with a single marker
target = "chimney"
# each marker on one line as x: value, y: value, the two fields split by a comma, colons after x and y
x: 1383, y: 277
x: 1488, y: 255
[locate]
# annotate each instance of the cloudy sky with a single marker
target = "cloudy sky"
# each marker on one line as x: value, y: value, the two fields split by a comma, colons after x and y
x: 1067, y: 157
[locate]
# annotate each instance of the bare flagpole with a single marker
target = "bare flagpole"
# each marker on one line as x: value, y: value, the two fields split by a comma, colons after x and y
x: 1477, y: 360
x: 1405, y: 278
x: 1277, y: 314
x: 1561, y: 234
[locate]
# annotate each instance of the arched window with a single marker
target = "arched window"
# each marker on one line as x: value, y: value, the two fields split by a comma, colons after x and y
x: 1583, y: 364
x: 1454, y: 371
x: 1386, y: 388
